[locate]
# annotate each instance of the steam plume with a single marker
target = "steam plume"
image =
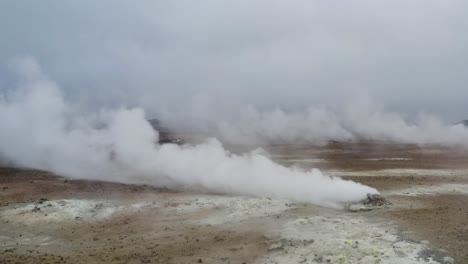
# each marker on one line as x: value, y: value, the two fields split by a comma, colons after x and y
x: 41, y: 130
x: 363, y: 119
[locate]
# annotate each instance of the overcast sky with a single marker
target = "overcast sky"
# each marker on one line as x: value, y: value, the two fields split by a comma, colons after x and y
x: 210, y: 58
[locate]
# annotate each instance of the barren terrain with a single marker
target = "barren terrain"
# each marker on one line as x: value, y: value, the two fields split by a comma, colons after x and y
x: 48, y: 218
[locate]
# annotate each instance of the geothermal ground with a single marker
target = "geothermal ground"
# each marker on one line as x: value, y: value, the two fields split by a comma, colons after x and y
x: 45, y: 218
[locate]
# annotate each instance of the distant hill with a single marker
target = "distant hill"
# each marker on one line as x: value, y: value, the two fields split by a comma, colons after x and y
x: 464, y: 122
x: 165, y: 135
x: 156, y: 124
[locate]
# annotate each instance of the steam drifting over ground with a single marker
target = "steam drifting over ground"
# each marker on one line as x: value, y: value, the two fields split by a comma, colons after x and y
x: 361, y: 120
x: 41, y: 130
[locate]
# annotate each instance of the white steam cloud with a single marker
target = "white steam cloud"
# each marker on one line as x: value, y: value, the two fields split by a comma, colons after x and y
x: 363, y: 120
x: 40, y: 129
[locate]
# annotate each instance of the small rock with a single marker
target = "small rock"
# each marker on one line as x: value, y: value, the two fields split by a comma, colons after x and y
x: 307, y: 242
x: 278, y: 245
x: 42, y: 200
x: 318, y: 259
x: 219, y: 238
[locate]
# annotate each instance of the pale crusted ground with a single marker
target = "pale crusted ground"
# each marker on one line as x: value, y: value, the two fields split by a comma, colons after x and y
x: 47, y: 219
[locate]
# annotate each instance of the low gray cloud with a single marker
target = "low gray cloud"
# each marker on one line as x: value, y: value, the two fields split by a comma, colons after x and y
x: 207, y: 59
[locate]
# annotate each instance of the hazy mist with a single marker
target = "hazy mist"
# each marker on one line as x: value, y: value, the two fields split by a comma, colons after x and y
x: 200, y: 61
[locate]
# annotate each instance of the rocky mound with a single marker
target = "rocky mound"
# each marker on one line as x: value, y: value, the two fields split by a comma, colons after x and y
x: 372, y: 202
